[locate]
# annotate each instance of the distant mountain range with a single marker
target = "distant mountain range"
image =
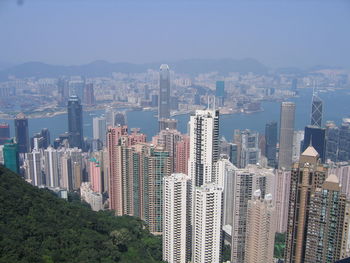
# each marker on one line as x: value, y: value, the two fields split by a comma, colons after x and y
x: 103, y: 68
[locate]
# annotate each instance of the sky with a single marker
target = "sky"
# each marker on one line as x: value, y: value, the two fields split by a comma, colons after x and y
x: 278, y: 33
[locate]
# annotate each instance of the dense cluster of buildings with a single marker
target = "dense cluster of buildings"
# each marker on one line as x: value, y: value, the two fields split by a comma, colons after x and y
x: 200, y: 192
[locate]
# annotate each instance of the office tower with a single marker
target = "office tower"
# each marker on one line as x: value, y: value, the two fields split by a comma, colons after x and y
x: 167, y: 124
x: 33, y: 168
x: 271, y: 143
x: 260, y: 238
x: 119, y: 119
x: 204, y: 145
x: 286, y: 135
x: 99, y: 129
x: 11, y: 157
x: 307, y: 175
x: 51, y: 167
x: 22, y: 133
x: 316, y: 137
x: 159, y: 166
x: 95, y: 175
x: 249, y: 151
x: 225, y: 176
x: 316, y: 111
x: 164, y: 92
x: 325, y: 223
x: 246, y: 181
x: 176, y: 218
x: 332, y: 141
x: 344, y: 141
x: 62, y: 90
x: 154, y: 100
x: 4, y: 132
x: 75, y: 122
x: 281, y: 200
x: 207, y: 223
x: 298, y: 138
x: 182, y: 155
x: 76, y: 87
x: 220, y: 92
x: 88, y: 95
x: 294, y: 85
x: 40, y: 140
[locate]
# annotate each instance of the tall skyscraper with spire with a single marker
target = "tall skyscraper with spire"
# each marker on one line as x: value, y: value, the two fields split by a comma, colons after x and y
x: 285, y: 156
x: 164, y: 92
x: 75, y: 122
x: 316, y: 111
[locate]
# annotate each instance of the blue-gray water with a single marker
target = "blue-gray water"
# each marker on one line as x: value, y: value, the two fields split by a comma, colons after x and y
x: 336, y: 106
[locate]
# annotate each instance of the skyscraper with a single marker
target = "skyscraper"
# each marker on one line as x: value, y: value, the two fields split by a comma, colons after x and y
x: 246, y: 181
x: 11, y: 158
x: 315, y: 136
x: 260, y: 238
x: 271, y: 143
x: 176, y: 218
x: 286, y: 135
x: 325, y: 223
x: 75, y: 122
x: 248, y: 142
x: 307, y: 175
x: 316, y: 111
x: 220, y: 92
x: 204, y: 145
x: 33, y: 168
x: 164, y: 92
x: 22, y: 133
x: 4, y: 132
x: 99, y: 129
x: 207, y: 224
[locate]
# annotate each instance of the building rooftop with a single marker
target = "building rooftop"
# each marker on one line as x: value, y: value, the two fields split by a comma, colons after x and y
x: 310, y: 151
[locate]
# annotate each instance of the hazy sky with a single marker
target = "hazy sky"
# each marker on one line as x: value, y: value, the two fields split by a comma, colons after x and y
x: 278, y: 33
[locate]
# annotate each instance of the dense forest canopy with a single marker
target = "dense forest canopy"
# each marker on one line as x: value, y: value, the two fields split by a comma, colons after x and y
x: 37, y: 226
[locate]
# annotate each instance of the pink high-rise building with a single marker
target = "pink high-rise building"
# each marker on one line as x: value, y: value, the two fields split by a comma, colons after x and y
x: 95, y: 175
x: 115, y: 174
x: 182, y: 155
x: 281, y: 199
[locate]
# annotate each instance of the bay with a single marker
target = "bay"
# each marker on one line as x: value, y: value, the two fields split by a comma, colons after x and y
x: 336, y: 107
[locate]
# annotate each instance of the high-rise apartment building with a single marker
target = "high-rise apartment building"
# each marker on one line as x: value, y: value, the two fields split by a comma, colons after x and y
x: 260, y: 236
x: 75, y: 122
x: 51, y: 167
x: 286, y: 135
x: 33, y: 168
x: 204, y: 146
x: 271, y: 143
x: 159, y: 166
x: 281, y: 199
x: 22, y: 133
x: 325, y: 223
x: 316, y: 111
x: 182, y: 155
x: 298, y: 138
x: 207, y: 224
x: 164, y: 92
x: 246, y: 182
x: 307, y: 175
x: 176, y: 218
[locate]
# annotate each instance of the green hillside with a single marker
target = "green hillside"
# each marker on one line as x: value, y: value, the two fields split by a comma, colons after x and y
x: 36, y: 226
